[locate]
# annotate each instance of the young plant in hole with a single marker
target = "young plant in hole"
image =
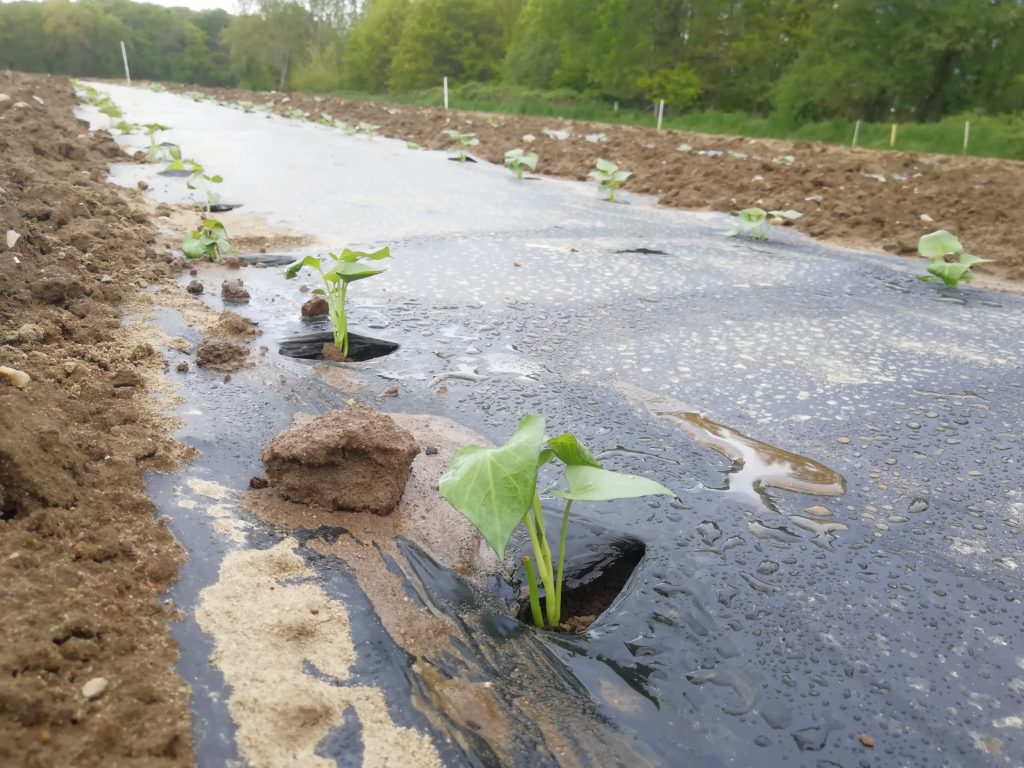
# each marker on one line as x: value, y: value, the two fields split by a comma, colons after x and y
x: 210, y: 240
x: 609, y: 176
x: 368, y: 128
x: 152, y: 131
x: 125, y: 127
x: 947, y: 259
x: 199, y: 178
x: 337, y: 271
x: 496, y: 488
x: 753, y: 222
x: 518, y: 161
x: 461, y: 142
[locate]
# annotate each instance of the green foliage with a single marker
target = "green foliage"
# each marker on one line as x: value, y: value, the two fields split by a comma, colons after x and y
x: 496, y: 489
x: 337, y: 271
x: 198, y: 179
x: 679, y: 86
x: 518, y: 161
x: 947, y: 259
x: 368, y: 129
x: 461, y: 142
x: 753, y: 222
x: 461, y: 39
x: 209, y: 240
x: 371, y: 46
x: 609, y: 176
x: 125, y: 128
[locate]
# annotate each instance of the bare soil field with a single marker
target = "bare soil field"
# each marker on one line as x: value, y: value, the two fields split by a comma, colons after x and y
x: 87, y: 672
x: 877, y: 201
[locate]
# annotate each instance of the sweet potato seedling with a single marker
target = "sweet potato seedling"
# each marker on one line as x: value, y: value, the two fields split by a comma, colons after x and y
x: 368, y: 128
x: 461, y: 142
x: 209, y: 240
x: 199, y: 178
x: 496, y: 489
x: 518, y: 161
x: 609, y: 176
x: 124, y: 127
x: 947, y: 259
x: 337, y: 270
x: 753, y: 222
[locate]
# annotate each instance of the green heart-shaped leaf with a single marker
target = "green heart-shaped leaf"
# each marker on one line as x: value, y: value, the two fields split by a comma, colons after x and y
x: 588, y: 483
x: 494, y: 487
x: 939, y: 244
x: 572, y: 452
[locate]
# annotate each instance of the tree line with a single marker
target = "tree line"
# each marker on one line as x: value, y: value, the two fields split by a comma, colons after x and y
x: 809, y: 59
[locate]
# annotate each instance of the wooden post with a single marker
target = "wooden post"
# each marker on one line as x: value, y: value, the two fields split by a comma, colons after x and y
x: 124, y: 57
x: 661, y: 112
x: 856, y: 133
x: 446, y: 92
x: 967, y: 134
x: 892, y: 135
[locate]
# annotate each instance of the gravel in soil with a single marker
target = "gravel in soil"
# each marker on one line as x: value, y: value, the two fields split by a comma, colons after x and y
x: 87, y: 672
x: 880, y: 201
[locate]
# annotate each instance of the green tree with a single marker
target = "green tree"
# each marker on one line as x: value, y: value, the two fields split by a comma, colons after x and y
x: 371, y: 44
x: 463, y: 39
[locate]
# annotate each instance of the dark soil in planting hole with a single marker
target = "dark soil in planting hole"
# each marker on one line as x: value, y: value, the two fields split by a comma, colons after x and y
x: 268, y: 259
x: 224, y: 207
x: 179, y: 174
x: 588, y: 593
x: 310, y: 346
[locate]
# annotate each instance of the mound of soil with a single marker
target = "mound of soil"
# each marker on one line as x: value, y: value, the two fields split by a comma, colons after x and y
x: 356, y: 460
x: 864, y: 198
x: 221, y: 355
x: 82, y: 559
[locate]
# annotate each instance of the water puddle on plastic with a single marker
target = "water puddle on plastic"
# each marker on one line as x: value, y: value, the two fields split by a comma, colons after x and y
x: 757, y: 465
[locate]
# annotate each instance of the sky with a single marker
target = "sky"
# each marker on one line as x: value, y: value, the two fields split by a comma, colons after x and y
x: 231, y: 6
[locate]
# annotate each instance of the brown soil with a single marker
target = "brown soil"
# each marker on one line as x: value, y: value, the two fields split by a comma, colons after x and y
x: 974, y: 197
x: 354, y: 460
x: 82, y: 558
x: 220, y: 355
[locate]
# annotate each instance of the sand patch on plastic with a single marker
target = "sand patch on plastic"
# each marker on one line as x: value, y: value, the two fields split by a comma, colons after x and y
x: 266, y: 628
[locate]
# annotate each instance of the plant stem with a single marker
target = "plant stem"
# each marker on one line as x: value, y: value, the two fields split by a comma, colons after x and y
x: 543, y: 565
x: 341, y: 322
x: 531, y: 579
x: 561, y: 558
x: 550, y: 588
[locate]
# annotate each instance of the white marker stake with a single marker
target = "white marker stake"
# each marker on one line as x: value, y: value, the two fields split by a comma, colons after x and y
x: 892, y: 136
x: 124, y: 57
x: 856, y: 133
x: 446, y: 92
x: 661, y: 112
x: 967, y: 134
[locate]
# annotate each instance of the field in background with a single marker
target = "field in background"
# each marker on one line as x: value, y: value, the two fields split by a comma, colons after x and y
x: 1001, y: 137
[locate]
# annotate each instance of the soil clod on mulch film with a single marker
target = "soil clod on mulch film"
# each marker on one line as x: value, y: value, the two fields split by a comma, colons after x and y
x: 87, y: 675
x: 840, y: 191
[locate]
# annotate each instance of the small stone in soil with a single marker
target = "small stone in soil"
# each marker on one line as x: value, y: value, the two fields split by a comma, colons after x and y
x: 194, y: 287
x: 258, y: 482
x: 95, y: 688
x: 193, y: 272
x: 181, y: 367
x: 315, y: 307
x: 388, y: 392
x: 430, y: 450
x: 234, y: 290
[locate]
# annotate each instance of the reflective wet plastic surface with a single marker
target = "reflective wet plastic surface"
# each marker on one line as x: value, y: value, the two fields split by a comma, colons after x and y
x: 764, y: 626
